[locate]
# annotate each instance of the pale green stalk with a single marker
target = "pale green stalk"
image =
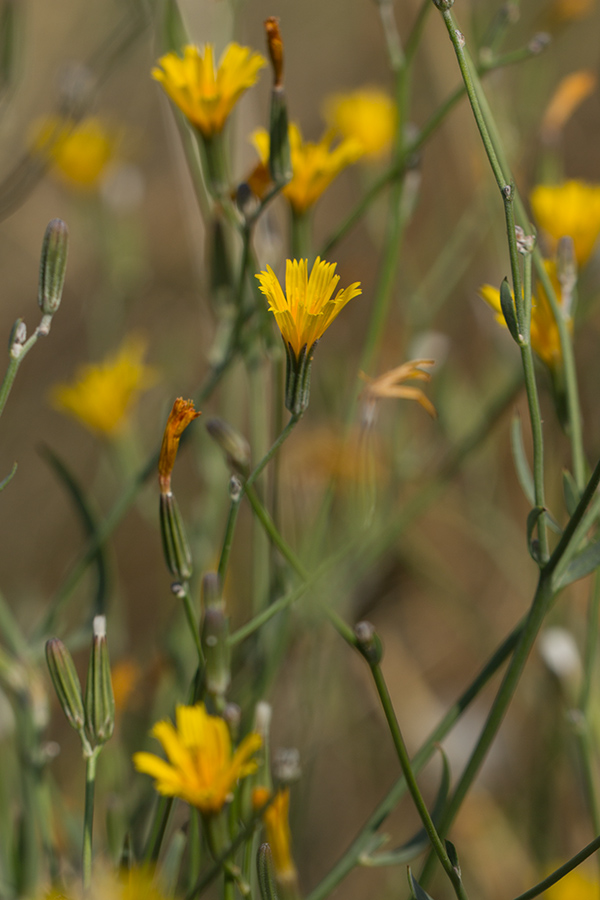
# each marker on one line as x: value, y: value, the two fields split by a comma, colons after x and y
x: 559, y: 873
x: 88, y: 817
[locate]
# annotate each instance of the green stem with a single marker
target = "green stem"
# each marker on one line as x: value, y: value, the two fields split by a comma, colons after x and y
x: 411, y: 782
x: 351, y: 856
x: 294, y: 419
x: 301, y: 237
x: 234, y: 509
x: 183, y: 593
x: 13, y: 367
x: 559, y: 873
x: 88, y: 817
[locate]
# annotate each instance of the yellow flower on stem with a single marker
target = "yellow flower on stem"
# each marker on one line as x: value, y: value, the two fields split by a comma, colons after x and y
x: 103, y: 394
x: 80, y: 151
x: 279, y: 838
x: 314, y: 166
x: 303, y: 314
x: 202, y: 769
x: 368, y: 116
x: 181, y: 415
x: 545, y: 337
x: 205, y: 94
x: 570, y: 209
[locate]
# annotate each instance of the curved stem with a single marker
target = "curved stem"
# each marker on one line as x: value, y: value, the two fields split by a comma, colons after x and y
x: 88, y: 817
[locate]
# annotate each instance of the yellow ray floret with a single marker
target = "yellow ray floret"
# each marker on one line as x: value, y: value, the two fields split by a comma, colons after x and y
x: 571, y: 208
x: 103, y: 395
x: 201, y: 767
x: 368, y: 116
x: 314, y: 166
x: 308, y: 306
x: 205, y: 94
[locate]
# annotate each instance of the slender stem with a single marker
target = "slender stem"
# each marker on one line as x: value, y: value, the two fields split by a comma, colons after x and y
x: 88, y: 817
x: 234, y: 509
x: 301, y: 237
x: 294, y: 419
x: 409, y: 776
x: 559, y: 873
x: 183, y: 592
x: 352, y: 854
x: 13, y: 368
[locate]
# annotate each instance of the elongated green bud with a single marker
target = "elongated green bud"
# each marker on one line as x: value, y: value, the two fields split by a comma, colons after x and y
x: 53, y: 266
x: 215, y: 631
x: 234, y: 445
x: 266, y: 873
x: 280, y: 160
x: 99, y: 697
x: 297, y: 378
x: 66, y: 682
x: 175, y: 544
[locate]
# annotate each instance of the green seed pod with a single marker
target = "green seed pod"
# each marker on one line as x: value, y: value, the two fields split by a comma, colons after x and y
x: 175, y: 544
x: 66, y: 682
x: 266, y: 873
x: 99, y: 697
x: 53, y: 265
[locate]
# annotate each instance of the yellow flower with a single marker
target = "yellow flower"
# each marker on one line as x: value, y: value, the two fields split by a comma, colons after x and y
x: 545, y: 339
x: 574, y: 886
x: 103, y: 394
x: 369, y: 116
x: 308, y: 307
x: 202, y: 769
x: 279, y: 838
x: 390, y: 384
x: 314, y: 166
x: 571, y: 208
x: 204, y: 95
x: 568, y: 96
x: 80, y: 151
x: 181, y: 415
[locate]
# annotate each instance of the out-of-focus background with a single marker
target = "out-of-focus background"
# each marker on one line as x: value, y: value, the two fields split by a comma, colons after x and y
x: 459, y: 577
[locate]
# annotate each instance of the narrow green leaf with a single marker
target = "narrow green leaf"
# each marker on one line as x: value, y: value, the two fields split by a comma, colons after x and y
x: 453, y: 856
x: 417, y: 891
x: 88, y: 521
x: 571, y: 493
x: 508, y: 309
x: 533, y: 543
x: 520, y: 459
x: 580, y: 566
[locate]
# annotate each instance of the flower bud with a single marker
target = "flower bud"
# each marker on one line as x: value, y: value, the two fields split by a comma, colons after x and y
x: 368, y: 642
x: 234, y: 445
x: 53, y: 265
x: 266, y: 873
x: 175, y: 544
x: 66, y: 682
x: 297, y: 378
x: 99, y: 698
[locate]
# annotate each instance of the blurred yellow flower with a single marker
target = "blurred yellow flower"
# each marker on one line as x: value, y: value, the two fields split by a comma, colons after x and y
x: 563, y: 11
x: 545, y: 339
x: 572, y: 90
x: 206, y: 95
x: 574, y: 886
x: 135, y: 883
x: 79, y: 151
x: 314, y: 166
x: 125, y: 677
x: 279, y: 838
x: 202, y: 769
x: 308, y: 306
x: 368, y: 116
x: 571, y: 208
x: 103, y: 394
x: 390, y: 384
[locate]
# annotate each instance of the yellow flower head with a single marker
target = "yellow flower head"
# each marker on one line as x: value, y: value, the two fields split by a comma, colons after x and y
x: 577, y: 885
x: 206, y: 95
x: 308, y: 306
x: 103, y: 394
x: 314, y: 166
x: 545, y: 338
x: 368, y: 116
x: 201, y: 767
x: 571, y: 208
x: 181, y: 415
x: 276, y: 819
x: 80, y: 151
